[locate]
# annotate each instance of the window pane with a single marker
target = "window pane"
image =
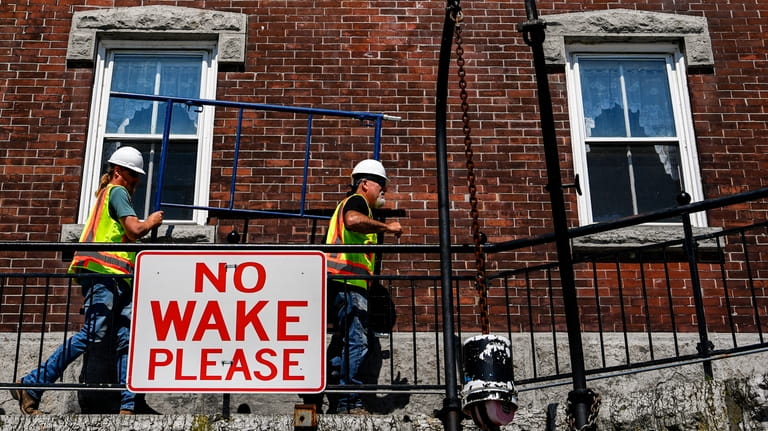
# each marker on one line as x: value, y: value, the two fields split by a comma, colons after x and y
x: 626, y: 98
x: 631, y: 179
x: 603, y: 102
x: 650, y: 104
x: 163, y: 75
x: 178, y: 182
x: 608, y: 182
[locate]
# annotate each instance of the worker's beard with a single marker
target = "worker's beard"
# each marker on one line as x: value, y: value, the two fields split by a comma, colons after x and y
x: 380, y: 201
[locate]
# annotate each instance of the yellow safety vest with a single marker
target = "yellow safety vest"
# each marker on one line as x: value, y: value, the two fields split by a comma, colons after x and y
x: 100, y: 227
x: 349, y: 263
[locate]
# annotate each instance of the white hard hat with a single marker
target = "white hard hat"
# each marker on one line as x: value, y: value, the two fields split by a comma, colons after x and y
x: 370, y: 167
x: 128, y: 157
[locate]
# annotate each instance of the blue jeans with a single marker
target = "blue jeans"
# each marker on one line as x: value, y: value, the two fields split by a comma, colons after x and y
x: 352, y: 325
x: 108, y: 303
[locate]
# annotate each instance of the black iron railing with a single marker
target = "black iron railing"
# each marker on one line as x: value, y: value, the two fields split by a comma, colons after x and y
x: 637, y: 305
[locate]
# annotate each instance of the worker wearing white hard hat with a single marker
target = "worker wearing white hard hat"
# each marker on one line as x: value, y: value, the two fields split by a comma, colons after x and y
x: 353, y: 223
x: 107, y: 295
x: 128, y: 157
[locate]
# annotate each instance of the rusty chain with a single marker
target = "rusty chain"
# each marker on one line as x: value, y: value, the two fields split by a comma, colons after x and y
x: 480, y: 278
x: 594, y: 409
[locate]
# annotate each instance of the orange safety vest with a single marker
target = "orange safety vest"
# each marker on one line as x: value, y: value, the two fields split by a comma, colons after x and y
x: 101, y: 227
x: 349, y: 263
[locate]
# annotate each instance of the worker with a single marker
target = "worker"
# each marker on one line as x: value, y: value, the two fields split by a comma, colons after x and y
x: 353, y: 223
x: 107, y: 298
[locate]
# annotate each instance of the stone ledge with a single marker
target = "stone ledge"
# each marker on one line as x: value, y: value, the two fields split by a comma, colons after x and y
x: 629, y: 239
x: 175, y: 233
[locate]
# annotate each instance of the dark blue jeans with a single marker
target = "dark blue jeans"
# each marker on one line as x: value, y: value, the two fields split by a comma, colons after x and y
x: 352, y: 324
x: 108, y: 303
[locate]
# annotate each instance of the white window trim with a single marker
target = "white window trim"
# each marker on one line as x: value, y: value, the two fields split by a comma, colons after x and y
x: 97, y: 122
x: 689, y: 160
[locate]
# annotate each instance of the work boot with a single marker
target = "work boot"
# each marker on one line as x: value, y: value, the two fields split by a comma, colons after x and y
x: 359, y: 411
x: 126, y: 412
x: 28, y: 404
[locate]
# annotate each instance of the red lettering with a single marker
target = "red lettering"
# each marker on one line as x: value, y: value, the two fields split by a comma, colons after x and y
x: 239, y: 365
x: 283, y: 319
x: 263, y: 361
x: 261, y: 277
x: 213, y: 320
x: 250, y: 317
x: 288, y: 363
x: 179, y: 363
x: 205, y: 363
x: 219, y: 282
x: 172, y: 317
x: 267, y: 364
x: 155, y: 360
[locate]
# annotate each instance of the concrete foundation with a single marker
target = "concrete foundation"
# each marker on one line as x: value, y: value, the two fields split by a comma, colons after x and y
x: 678, y: 398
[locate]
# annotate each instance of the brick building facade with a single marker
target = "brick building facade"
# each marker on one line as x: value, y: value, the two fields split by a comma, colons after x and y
x: 685, y: 76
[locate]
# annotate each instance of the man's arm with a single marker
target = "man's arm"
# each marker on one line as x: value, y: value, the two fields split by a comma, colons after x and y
x: 135, y: 228
x: 361, y: 223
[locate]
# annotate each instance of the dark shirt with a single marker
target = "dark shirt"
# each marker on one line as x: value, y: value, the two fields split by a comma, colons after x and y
x: 356, y: 203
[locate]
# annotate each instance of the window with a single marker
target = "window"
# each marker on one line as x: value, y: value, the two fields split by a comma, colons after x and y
x: 118, y: 121
x: 631, y: 130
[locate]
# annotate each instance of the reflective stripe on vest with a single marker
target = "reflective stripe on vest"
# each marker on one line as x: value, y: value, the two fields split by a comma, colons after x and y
x: 349, y: 263
x: 100, y: 227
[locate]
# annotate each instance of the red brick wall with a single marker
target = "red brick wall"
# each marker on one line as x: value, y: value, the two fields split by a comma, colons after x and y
x: 378, y: 56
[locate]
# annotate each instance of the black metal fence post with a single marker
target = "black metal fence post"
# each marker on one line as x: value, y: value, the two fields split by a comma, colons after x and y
x: 705, y: 346
x: 580, y: 399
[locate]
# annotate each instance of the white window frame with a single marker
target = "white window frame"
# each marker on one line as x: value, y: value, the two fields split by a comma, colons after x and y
x: 98, y: 115
x: 676, y: 71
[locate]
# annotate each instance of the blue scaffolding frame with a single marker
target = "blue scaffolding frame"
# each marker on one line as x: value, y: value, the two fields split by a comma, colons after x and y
x: 375, y: 118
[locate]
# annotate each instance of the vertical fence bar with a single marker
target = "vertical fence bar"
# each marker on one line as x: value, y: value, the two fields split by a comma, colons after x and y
x: 622, y: 310
x: 307, y: 154
x: 748, y: 264
x: 551, y: 294
x: 599, y: 313
x: 528, y: 288
x: 673, y: 321
x: 726, y: 295
x: 644, y: 289
x: 437, y: 333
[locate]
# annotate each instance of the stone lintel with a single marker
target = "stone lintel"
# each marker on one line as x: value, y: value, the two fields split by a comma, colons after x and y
x: 228, y: 29
x: 628, y: 26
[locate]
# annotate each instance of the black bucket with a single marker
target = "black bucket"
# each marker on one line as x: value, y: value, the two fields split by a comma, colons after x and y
x: 488, y: 394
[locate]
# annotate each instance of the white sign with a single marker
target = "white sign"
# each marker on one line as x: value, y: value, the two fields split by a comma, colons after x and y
x: 228, y: 322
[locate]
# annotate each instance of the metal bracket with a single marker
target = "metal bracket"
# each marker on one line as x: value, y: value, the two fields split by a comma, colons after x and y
x: 576, y: 185
x: 305, y: 417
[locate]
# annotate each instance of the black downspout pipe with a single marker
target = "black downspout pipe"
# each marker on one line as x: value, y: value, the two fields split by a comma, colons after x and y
x: 451, y: 405
x: 580, y: 398
x: 705, y: 346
